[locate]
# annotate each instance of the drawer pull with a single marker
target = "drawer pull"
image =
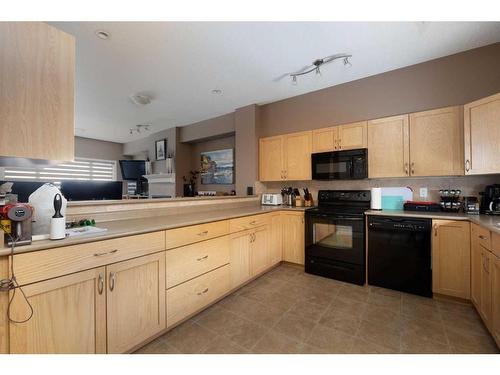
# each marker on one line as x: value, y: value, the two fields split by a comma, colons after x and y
x: 253, y: 222
x: 203, y: 291
x: 106, y: 253
x: 204, y: 233
x: 202, y: 258
x: 100, y: 284
x: 112, y: 277
x: 482, y: 237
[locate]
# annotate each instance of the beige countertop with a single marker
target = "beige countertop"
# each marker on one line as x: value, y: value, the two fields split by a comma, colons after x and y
x: 487, y: 221
x: 122, y: 228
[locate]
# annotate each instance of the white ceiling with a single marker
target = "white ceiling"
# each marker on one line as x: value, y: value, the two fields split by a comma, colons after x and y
x: 180, y: 64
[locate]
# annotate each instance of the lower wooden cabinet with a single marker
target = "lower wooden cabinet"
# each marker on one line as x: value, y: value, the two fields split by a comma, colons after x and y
x: 475, y: 269
x: 451, y: 258
x: 69, y: 315
x: 495, y: 299
x: 485, y: 300
x: 260, y: 254
x: 187, y: 298
x: 276, y: 238
x: 240, y: 257
x: 293, y: 236
x: 135, y: 301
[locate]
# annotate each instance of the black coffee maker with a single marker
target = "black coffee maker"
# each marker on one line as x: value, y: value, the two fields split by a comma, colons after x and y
x: 490, y: 200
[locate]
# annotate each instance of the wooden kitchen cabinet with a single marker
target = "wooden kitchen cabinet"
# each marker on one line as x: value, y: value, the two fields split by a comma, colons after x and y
x: 240, y: 257
x: 485, y: 309
x: 482, y: 135
x: 276, y: 238
x: 135, y: 301
x: 293, y: 237
x: 69, y: 315
x: 451, y: 254
x: 389, y: 147
x: 475, y: 267
x: 37, y: 66
x: 352, y: 136
x: 260, y: 254
x: 325, y: 140
x: 286, y: 157
x: 436, y: 142
x: 495, y: 299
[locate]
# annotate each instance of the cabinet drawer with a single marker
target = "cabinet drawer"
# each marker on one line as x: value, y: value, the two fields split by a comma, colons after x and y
x: 495, y: 243
x: 187, y: 262
x: 482, y: 236
x: 248, y: 222
x: 47, y: 264
x: 195, y: 233
x: 190, y: 297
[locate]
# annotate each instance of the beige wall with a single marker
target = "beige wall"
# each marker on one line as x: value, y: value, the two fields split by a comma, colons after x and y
x: 451, y: 80
x: 214, y: 127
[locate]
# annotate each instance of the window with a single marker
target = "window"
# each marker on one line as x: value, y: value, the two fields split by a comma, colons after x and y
x: 81, y: 169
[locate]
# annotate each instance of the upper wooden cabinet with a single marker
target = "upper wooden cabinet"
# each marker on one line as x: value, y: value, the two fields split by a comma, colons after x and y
x: 286, y: 157
x: 451, y: 258
x: 341, y: 137
x: 37, y: 66
x: 388, y: 147
x: 482, y: 135
x: 436, y: 142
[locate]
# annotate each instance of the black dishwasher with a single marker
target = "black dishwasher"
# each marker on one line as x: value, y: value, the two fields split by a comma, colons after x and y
x: 399, y: 254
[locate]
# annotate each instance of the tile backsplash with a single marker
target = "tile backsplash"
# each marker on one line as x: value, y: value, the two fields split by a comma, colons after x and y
x: 469, y: 185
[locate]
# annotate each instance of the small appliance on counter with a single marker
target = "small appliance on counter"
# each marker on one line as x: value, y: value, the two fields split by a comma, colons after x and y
x: 490, y: 200
x: 471, y: 205
x: 20, y: 215
x: 450, y: 200
x: 422, y: 206
x: 269, y: 199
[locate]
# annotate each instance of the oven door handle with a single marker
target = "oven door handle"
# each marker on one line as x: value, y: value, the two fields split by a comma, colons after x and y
x: 338, y: 217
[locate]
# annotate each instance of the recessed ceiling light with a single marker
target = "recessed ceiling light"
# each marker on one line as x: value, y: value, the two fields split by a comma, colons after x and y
x: 101, y: 34
x: 216, y: 91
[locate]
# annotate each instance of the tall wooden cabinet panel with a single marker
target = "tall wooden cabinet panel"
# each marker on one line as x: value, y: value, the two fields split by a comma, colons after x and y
x: 352, y: 136
x: 485, y: 309
x: 276, y: 238
x: 495, y: 298
x: 436, y: 142
x: 475, y: 267
x: 388, y: 147
x: 135, y: 301
x: 298, y: 148
x: 260, y: 256
x: 482, y: 135
x: 240, y: 257
x: 293, y: 237
x: 37, y: 65
x: 271, y: 162
x: 451, y: 258
x: 324, y: 140
x: 69, y: 315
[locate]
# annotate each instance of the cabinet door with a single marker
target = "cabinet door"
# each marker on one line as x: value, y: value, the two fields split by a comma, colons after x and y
x: 485, y: 310
x: 298, y: 147
x: 37, y: 66
x: 293, y: 237
x: 260, y: 257
x: 271, y: 163
x: 476, y: 266
x: 135, y: 301
x: 69, y: 315
x: 388, y: 147
x: 324, y: 140
x: 482, y: 135
x: 495, y: 299
x: 436, y: 142
x: 276, y: 239
x: 352, y: 136
x: 451, y: 258
x: 240, y: 257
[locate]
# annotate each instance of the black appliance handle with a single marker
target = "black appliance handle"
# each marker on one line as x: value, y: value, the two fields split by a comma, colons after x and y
x: 338, y: 217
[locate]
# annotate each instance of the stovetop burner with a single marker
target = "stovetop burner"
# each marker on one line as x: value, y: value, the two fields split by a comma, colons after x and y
x: 342, y: 202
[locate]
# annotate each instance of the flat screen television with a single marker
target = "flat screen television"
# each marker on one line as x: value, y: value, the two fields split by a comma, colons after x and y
x: 133, y: 170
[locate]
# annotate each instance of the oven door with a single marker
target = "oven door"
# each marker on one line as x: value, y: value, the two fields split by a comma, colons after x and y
x: 331, y: 166
x: 339, y: 238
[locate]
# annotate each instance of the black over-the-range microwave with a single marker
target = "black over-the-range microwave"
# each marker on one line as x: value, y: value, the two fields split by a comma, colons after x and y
x: 340, y: 165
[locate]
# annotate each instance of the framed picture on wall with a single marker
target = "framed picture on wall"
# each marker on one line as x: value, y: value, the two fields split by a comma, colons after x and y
x: 161, y: 149
x: 217, y: 167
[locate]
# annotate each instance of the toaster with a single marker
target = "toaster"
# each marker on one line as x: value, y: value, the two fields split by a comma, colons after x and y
x: 272, y: 199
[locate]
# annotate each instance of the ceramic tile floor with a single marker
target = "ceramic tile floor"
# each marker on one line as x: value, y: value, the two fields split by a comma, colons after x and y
x: 289, y: 311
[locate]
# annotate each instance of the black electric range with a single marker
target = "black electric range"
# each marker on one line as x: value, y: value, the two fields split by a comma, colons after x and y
x: 335, y: 235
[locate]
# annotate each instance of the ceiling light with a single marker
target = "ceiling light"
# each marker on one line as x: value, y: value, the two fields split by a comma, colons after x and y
x: 141, y: 99
x: 139, y: 128
x: 216, y: 91
x: 101, y: 34
x: 315, y: 66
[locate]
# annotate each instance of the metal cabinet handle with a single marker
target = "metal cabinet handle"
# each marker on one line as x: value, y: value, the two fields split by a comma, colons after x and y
x: 112, y: 277
x: 413, y: 168
x: 100, y: 284
x: 482, y: 237
x: 253, y: 222
x: 435, y: 230
x: 204, y: 233
x: 106, y: 253
x: 340, y: 144
x: 407, y: 172
x: 467, y: 165
x: 202, y: 258
x: 202, y: 292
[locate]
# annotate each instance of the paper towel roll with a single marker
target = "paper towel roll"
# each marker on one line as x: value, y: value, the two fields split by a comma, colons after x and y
x: 376, y: 199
